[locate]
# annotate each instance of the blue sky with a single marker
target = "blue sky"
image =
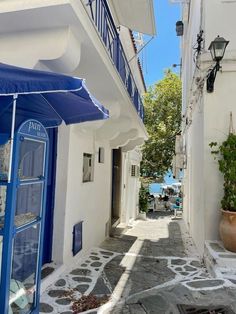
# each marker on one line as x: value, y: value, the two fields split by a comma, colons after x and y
x: 163, y: 50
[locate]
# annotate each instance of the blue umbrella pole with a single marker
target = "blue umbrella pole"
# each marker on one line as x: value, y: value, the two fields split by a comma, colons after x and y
x: 12, y: 135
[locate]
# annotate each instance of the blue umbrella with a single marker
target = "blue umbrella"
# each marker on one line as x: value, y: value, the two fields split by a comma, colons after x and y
x: 47, y: 97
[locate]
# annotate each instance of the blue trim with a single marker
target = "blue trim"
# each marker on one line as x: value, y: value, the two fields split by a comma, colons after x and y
x: 28, y: 182
x: 4, y: 138
x: 38, y: 274
x: 49, y: 210
x: 4, y: 183
x: 77, y: 244
x: 10, y: 230
x: 27, y: 225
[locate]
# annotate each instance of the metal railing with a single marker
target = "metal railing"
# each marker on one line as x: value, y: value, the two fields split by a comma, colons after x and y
x: 101, y: 16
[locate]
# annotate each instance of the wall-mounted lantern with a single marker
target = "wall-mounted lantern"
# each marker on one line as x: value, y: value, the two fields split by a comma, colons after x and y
x: 217, y: 50
x: 179, y: 28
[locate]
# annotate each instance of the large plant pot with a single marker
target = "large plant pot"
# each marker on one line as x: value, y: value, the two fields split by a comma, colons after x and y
x: 228, y: 230
x: 142, y: 216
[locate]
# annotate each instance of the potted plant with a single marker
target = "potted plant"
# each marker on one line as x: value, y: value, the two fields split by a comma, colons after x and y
x: 143, y: 202
x: 226, y: 153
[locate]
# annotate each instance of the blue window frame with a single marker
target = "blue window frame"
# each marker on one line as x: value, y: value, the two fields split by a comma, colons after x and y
x: 77, y: 238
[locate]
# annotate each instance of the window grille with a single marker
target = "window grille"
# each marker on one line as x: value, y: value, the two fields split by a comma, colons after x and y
x: 134, y: 171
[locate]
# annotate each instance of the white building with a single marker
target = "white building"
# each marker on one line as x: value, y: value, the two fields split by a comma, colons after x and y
x: 206, y: 115
x: 94, y: 165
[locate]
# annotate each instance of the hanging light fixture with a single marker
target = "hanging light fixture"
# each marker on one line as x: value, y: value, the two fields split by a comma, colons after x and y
x: 217, y: 50
x: 179, y: 28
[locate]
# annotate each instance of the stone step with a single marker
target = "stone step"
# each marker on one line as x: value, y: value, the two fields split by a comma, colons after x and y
x: 118, y: 230
x: 219, y: 261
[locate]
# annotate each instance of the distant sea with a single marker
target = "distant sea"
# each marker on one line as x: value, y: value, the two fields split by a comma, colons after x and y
x: 155, y: 188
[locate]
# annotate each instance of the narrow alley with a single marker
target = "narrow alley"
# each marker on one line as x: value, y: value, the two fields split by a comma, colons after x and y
x: 152, y: 267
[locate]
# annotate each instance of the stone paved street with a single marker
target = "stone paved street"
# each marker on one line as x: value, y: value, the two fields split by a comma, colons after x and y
x: 151, y: 268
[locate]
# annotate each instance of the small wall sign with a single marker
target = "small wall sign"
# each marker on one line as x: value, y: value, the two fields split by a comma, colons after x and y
x: 33, y: 128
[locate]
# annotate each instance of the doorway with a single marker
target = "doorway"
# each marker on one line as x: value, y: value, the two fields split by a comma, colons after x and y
x: 116, y: 185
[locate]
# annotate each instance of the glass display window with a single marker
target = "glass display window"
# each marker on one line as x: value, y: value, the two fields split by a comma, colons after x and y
x: 4, y: 160
x: 28, y: 203
x: 24, y: 270
x: 31, y: 159
x: 3, y: 193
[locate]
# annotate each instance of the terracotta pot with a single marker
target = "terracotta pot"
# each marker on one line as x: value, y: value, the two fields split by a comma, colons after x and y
x: 228, y: 230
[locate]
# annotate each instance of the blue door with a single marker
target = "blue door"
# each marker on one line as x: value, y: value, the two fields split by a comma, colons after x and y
x: 49, y: 211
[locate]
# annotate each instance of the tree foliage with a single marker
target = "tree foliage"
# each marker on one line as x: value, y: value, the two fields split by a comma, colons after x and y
x: 162, y: 119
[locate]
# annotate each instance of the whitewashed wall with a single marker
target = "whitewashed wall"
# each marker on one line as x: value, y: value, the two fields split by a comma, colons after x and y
x: 130, y: 187
x: 192, y: 23
x: 89, y: 202
x: 61, y: 37
x: 195, y: 169
x: 217, y: 112
x: 208, y: 117
x: 217, y: 107
x: 192, y: 127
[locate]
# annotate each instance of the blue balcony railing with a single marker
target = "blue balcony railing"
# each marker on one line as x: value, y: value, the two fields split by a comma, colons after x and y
x: 101, y: 16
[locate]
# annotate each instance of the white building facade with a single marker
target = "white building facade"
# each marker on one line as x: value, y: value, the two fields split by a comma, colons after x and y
x: 94, y: 165
x: 206, y: 116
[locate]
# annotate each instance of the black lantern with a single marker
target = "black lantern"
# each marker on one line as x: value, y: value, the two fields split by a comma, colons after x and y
x: 179, y: 28
x: 217, y: 50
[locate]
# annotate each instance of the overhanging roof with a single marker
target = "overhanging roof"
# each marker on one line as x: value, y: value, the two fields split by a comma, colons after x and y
x: 138, y: 15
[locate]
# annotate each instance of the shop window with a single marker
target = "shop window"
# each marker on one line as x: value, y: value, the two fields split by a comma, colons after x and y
x: 88, y: 167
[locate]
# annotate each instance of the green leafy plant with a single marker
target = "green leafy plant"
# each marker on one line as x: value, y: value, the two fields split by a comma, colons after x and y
x: 226, y: 154
x: 143, y: 199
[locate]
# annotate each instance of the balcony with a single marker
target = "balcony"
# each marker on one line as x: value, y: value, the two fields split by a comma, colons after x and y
x: 100, y: 14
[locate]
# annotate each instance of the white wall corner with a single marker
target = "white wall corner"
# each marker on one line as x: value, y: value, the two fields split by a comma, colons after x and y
x: 112, y: 127
x: 68, y: 57
x: 33, y: 46
x: 132, y: 144
x: 61, y: 193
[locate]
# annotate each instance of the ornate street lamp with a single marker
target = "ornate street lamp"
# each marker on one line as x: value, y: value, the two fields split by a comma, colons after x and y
x: 217, y: 50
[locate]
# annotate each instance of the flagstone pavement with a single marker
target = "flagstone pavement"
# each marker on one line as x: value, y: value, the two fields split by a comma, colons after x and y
x: 152, y: 267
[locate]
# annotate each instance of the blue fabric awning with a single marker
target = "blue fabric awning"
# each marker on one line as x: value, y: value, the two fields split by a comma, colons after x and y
x: 47, y: 97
